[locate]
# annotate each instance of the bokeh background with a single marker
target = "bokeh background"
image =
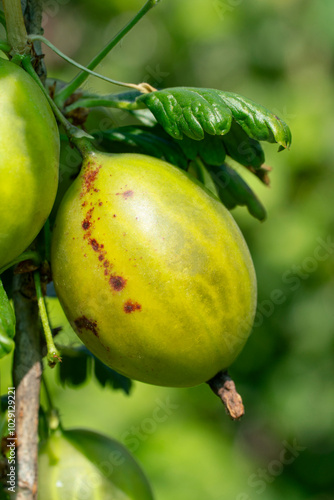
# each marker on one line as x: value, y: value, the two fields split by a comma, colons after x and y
x: 279, y: 53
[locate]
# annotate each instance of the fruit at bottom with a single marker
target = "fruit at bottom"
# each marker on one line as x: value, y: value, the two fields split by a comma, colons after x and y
x: 79, y: 464
x: 29, y: 155
x: 152, y: 271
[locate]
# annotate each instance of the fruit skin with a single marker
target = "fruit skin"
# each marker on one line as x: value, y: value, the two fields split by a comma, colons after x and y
x: 79, y: 464
x: 29, y: 154
x: 152, y: 271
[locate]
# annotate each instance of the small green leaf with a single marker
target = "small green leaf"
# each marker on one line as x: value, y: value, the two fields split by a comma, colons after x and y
x: 242, y: 148
x: 195, y: 111
x: 75, y: 366
x: 188, y: 111
x: 210, y: 149
x: 106, y: 375
x: 258, y: 122
x: 7, y: 324
x: 233, y: 189
x: 144, y: 116
x: 227, y: 198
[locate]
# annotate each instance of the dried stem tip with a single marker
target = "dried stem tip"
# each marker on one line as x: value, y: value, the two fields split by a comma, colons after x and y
x: 224, y: 387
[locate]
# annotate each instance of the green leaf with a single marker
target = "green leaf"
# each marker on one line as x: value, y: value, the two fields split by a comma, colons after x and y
x: 195, y: 111
x: 107, y: 376
x: 144, y: 116
x: 154, y: 141
x: 147, y: 140
x: 7, y: 324
x: 78, y: 364
x: 233, y: 190
x: 210, y: 149
x: 242, y: 148
x: 75, y: 367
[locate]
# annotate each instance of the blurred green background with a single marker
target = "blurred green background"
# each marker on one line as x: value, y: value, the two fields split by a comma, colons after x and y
x: 280, y: 53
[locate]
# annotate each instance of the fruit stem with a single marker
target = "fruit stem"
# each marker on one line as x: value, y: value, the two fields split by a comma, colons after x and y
x: 63, y: 94
x: 53, y: 355
x: 47, y: 393
x: 28, y: 255
x: 53, y: 419
x: 16, y: 30
x: 224, y: 387
x: 84, y: 145
x: 142, y: 87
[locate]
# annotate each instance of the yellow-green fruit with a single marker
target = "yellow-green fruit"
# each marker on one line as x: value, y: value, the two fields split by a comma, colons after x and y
x: 152, y: 271
x: 79, y: 464
x: 29, y: 154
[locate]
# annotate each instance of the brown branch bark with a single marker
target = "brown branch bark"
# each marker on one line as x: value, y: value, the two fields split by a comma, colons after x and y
x: 27, y: 371
x: 27, y: 365
x: 33, y: 11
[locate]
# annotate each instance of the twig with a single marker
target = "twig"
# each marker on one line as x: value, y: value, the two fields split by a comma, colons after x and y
x: 27, y: 366
x: 33, y: 11
x: 53, y: 355
x: 224, y: 387
x: 27, y: 372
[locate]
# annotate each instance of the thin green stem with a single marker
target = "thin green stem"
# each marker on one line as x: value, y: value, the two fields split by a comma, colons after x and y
x: 28, y: 255
x: 16, y: 30
x: 142, y: 87
x: 48, y: 395
x: 71, y: 130
x: 64, y: 93
x: 53, y: 420
x: 53, y: 355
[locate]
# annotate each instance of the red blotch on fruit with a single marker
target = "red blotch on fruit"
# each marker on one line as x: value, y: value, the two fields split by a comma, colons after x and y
x: 86, y: 223
x: 126, y: 194
x: 83, y: 323
x: 131, y: 306
x: 89, y: 178
x: 117, y: 283
x: 94, y: 244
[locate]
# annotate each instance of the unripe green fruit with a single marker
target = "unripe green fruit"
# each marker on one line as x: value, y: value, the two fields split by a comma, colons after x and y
x: 152, y: 271
x: 79, y: 464
x: 29, y: 154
